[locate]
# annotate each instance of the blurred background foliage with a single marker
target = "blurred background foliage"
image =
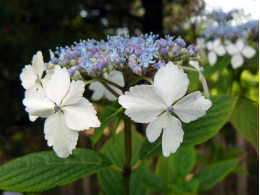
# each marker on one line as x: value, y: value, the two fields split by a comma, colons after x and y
x: 28, y: 26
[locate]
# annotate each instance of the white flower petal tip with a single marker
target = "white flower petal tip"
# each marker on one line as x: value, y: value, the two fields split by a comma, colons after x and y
x: 191, y: 107
x: 248, y: 52
x: 142, y: 103
x: 59, y: 136
x: 172, y: 83
x: 172, y: 136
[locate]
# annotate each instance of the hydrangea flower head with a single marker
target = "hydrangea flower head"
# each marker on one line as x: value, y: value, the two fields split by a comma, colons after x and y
x: 67, y: 112
x: 154, y: 104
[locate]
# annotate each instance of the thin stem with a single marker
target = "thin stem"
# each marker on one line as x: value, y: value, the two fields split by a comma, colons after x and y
x: 110, y: 89
x: 90, y: 81
x: 102, y: 80
x: 128, y: 151
x: 137, y: 165
x: 115, y: 168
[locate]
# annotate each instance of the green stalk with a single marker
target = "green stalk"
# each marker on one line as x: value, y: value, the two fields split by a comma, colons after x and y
x: 128, y: 151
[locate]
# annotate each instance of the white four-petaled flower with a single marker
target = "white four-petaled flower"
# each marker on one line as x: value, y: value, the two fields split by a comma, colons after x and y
x: 215, y: 49
x: 237, y: 51
x: 32, y: 79
x: 153, y: 104
x: 67, y: 112
x: 100, y: 90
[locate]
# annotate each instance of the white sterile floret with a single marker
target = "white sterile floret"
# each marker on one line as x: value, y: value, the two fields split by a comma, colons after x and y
x: 237, y: 51
x: 32, y: 80
x: 215, y: 49
x: 99, y: 90
x: 153, y: 104
x: 67, y: 112
x: 196, y: 65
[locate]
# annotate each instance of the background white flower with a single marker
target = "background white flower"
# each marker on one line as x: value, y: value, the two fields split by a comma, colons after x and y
x: 153, y: 104
x: 99, y: 90
x: 32, y: 80
x: 67, y: 112
x: 237, y: 51
x: 215, y: 49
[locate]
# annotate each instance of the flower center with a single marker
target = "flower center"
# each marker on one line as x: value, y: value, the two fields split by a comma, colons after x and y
x: 56, y: 108
x: 169, y: 109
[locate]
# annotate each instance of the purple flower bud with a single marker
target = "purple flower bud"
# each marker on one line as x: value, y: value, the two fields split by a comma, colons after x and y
x: 55, y: 60
x: 164, y: 51
x: 179, y: 41
x: 164, y: 43
x: 138, y: 52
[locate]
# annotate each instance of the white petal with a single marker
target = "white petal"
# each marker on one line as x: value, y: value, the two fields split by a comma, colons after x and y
x: 204, y: 84
x: 41, y: 107
x: 58, y: 85
x: 172, y: 83
x: 210, y: 45
x: 172, y: 136
x: 38, y: 63
x: 212, y: 57
x: 75, y: 93
x: 232, y: 49
x: 142, y: 103
x: 98, y: 90
x: 81, y: 116
x: 58, y: 135
x: 32, y: 118
x: 220, y: 50
x: 237, y: 61
x: 36, y: 91
x: 117, y: 77
x: 110, y: 96
x: 28, y: 77
x: 240, y: 44
x: 51, y: 54
x: 248, y: 51
x: 195, y: 64
x: 216, y: 43
x: 155, y: 127
x: 191, y: 107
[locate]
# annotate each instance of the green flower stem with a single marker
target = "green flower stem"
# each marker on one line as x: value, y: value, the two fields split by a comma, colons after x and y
x: 115, y: 168
x: 128, y: 151
x: 110, y: 89
x: 90, y: 81
x: 137, y: 165
x: 141, y: 78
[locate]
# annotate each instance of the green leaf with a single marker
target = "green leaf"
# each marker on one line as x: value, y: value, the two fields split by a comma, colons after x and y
x: 224, y: 82
x: 44, y: 170
x: 153, y: 182
x: 200, y: 130
x: 107, y: 116
x: 190, y: 186
x: 245, y: 119
x: 175, y: 168
x: 112, y: 181
x: 214, y: 173
x: 239, y: 170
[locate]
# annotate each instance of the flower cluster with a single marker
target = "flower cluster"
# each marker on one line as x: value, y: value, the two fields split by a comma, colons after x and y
x: 220, y: 37
x: 51, y: 94
x: 141, y: 54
